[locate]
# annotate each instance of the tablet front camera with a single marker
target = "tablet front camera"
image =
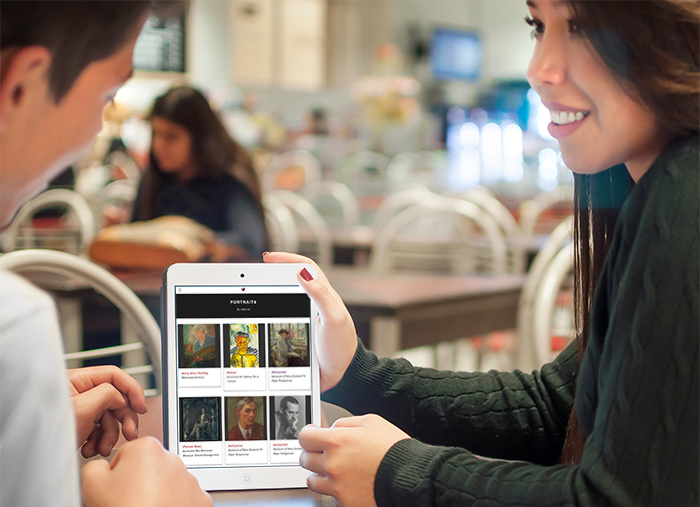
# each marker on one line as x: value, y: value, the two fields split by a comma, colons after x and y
x: 242, y: 275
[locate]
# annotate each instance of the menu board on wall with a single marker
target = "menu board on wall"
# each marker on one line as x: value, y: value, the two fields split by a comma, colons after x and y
x: 161, y: 45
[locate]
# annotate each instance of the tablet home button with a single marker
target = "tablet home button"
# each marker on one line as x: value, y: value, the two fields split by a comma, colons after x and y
x: 246, y: 478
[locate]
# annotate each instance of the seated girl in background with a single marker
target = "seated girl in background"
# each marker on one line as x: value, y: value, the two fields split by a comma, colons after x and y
x: 198, y: 171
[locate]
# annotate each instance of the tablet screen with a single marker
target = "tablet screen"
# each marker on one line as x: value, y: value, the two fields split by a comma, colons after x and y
x: 243, y: 375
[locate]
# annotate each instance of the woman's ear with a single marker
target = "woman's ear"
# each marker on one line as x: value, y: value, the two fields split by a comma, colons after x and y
x: 24, y: 81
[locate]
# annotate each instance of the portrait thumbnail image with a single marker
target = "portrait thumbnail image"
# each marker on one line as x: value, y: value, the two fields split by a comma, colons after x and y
x: 289, y: 415
x: 289, y: 345
x: 246, y: 345
x: 245, y: 418
x: 199, y: 345
x: 200, y: 419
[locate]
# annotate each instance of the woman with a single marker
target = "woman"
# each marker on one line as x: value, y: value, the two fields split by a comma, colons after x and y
x: 198, y: 171
x: 618, y: 423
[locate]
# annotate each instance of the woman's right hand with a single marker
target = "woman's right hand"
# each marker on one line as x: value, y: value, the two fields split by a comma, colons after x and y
x: 336, y: 338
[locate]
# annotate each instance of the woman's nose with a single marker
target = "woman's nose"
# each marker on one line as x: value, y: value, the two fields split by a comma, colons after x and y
x: 548, y: 64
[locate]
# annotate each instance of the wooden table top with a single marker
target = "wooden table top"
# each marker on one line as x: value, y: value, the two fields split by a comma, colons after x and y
x: 362, y: 288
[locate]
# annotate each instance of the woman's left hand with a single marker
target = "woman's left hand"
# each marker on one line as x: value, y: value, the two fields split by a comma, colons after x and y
x: 344, y: 459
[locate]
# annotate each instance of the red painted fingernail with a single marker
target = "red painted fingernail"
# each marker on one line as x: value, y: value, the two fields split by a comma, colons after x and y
x: 306, y: 275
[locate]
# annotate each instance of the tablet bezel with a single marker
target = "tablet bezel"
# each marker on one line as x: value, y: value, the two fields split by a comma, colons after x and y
x: 234, y: 275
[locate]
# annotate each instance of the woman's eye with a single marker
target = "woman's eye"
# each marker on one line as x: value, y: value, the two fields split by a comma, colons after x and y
x: 574, y: 27
x: 538, y: 26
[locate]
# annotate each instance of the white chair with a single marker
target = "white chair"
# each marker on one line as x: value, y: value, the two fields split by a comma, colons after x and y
x: 364, y: 173
x: 118, y: 160
x: 20, y: 235
x: 291, y: 170
x: 90, y: 180
x: 532, y: 210
x: 120, y: 193
x: 307, y: 220
x: 505, y: 219
x: 335, y: 202
x: 424, y: 167
x: 548, y: 318
x: 141, y: 355
x: 398, y: 201
x: 281, y: 225
x: 448, y: 232
x: 561, y: 236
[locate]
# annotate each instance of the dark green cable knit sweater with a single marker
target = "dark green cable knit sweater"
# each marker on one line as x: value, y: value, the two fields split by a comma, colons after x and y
x: 636, y: 390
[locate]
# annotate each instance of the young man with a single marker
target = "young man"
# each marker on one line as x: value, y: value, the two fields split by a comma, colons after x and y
x: 284, y: 352
x: 243, y: 356
x: 60, y: 63
x: 288, y: 419
x: 247, y: 428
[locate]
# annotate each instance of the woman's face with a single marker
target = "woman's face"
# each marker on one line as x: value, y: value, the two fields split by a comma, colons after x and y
x: 171, y: 145
x: 596, y: 123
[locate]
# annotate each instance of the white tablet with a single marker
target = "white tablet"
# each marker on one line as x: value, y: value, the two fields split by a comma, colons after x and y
x: 240, y: 375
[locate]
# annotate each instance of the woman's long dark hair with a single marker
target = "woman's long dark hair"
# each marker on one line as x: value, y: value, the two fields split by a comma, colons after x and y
x: 653, y: 47
x: 214, y: 150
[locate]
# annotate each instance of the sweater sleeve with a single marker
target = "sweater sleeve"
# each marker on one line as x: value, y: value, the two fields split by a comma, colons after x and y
x: 637, y: 396
x: 501, y: 415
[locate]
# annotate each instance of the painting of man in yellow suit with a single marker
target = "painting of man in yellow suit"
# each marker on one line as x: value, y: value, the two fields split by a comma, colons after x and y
x: 242, y: 355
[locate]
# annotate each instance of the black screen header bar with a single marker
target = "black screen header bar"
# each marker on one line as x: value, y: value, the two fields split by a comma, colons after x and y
x: 222, y: 306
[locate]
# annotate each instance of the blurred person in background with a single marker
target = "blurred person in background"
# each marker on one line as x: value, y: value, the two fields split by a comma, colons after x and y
x: 198, y: 171
x: 62, y: 62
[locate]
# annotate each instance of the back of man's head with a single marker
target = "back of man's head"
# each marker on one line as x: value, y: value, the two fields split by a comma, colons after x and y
x: 76, y: 33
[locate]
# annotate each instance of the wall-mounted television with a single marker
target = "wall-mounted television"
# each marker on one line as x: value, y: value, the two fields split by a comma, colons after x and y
x: 455, y: 55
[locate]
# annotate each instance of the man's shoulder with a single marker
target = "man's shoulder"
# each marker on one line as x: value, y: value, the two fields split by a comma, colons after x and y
x: 235, y: 432
x: 19, y: 298
x: 14, y: 286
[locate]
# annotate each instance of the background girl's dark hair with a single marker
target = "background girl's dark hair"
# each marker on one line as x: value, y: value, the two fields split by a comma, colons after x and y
x: 653, y: 47
x: 76, y: 33
x: 213, y: 149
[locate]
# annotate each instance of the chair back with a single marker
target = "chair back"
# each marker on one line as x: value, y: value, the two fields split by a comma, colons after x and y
x: 318, y: 243
x: 399, y: 201
x: 534, y: 211
x: 291, y: 170
x: 141, y: 356
x: 552, y: 308
x: 120, y: 194
x: 280, y: 225
x: 335, y: 202
x: 505, y: 219
x: 439, y: 235
x: 364, y: 173
x: 74, y: 237
x: 558, y: 239
x: 427, y: 168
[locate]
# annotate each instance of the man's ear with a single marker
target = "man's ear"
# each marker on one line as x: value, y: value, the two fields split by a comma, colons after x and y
x: 24, y: 79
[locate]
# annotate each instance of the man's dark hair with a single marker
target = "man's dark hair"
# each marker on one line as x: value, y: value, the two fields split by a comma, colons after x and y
x: 76, y: 33
x: 282, y: 331
x: 284, y: 403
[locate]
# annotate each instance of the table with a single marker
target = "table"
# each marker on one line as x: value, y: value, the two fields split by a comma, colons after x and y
x: 393, y: 312
x: 396, y: 312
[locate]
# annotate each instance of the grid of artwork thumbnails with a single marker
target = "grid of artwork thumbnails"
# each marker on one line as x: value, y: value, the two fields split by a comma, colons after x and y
x: 243, y: 392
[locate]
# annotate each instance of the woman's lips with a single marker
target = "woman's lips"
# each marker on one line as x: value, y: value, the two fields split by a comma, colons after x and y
x: 565, y: 123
